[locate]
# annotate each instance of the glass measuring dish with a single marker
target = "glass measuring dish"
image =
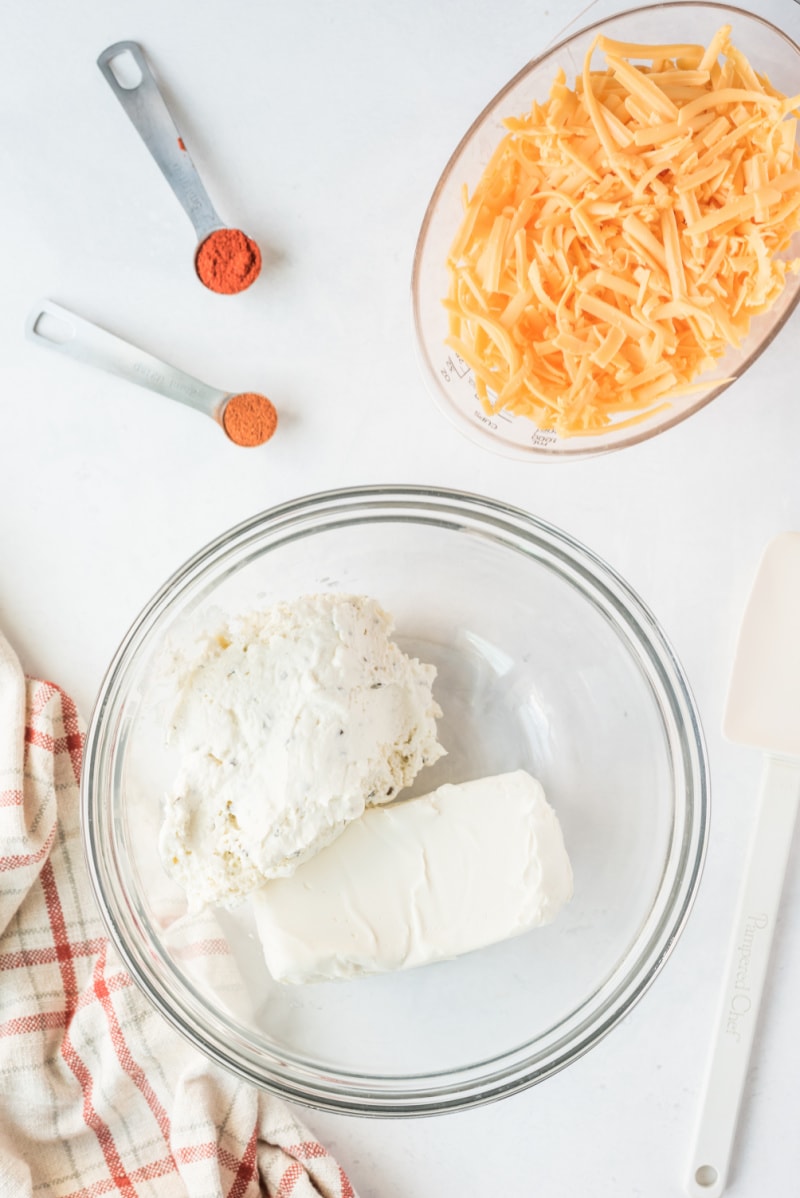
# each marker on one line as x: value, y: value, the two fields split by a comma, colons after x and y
x: 450, y: 379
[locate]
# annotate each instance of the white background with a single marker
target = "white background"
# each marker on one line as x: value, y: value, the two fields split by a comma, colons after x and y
x: 321, y: 129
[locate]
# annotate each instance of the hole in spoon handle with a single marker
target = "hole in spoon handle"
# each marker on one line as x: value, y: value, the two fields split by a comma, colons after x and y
x: 126, y: 70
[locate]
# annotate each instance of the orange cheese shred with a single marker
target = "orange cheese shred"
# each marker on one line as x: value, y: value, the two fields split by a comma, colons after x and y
x: 624, y: 234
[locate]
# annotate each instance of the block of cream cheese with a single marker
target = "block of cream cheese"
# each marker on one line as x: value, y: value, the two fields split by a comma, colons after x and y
x: 419, y: 880
x: 288, y: 722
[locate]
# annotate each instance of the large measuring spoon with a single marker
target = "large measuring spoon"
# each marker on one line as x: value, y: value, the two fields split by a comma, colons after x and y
x: 763, y: 710
x: 247, y: 417
x: 227, y: 260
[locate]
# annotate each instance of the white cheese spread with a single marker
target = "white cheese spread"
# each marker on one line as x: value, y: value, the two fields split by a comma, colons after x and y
x: 289, y: 722
x: 418, y: 881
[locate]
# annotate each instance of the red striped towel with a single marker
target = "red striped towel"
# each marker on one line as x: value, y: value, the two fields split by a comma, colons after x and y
x: 98, y: 1094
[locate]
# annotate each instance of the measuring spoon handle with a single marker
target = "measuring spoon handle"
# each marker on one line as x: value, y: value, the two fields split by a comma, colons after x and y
x: 148, y: 111
x: 55, y: 327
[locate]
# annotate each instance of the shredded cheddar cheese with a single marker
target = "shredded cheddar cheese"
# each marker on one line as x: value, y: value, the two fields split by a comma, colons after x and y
x: 624, y: 233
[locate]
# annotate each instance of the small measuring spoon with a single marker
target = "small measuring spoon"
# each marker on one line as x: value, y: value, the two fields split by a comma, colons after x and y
x: 227, y: 261
x: 247, y: 417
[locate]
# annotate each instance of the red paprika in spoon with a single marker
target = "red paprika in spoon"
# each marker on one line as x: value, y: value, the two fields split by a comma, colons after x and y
x: 227, y: 261
x: 249, y: 418
x: 246, y: 417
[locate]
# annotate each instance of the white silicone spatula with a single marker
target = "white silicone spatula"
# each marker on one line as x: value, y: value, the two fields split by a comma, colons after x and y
x: 763, y: 710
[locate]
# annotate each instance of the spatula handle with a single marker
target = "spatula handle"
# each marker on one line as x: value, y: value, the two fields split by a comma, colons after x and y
x: 745, y: 971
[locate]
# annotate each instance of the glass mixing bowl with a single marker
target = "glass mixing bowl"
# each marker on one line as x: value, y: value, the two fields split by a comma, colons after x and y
x: 547, y: 661
x: 448, y: 377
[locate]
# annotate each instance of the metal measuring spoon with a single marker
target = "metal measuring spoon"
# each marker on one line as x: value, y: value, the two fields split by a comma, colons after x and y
x: 247, y: 417
x: 226, y: 260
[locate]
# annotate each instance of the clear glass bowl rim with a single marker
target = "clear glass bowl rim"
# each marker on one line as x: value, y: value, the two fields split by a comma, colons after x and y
x: 418, y: 1094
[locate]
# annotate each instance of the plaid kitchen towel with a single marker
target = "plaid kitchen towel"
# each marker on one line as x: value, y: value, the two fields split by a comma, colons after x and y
x: 98, y: 1094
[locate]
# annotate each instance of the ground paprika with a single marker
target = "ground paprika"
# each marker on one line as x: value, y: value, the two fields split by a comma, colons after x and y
x: 228, y: 261
x: 249, y: 418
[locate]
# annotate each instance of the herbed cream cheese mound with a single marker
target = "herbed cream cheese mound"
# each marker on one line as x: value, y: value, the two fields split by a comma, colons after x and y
x: 289, y: 721
x: 419, y: 881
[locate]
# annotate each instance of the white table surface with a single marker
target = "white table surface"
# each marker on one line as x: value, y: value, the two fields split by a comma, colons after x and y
x: 321, y: 128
